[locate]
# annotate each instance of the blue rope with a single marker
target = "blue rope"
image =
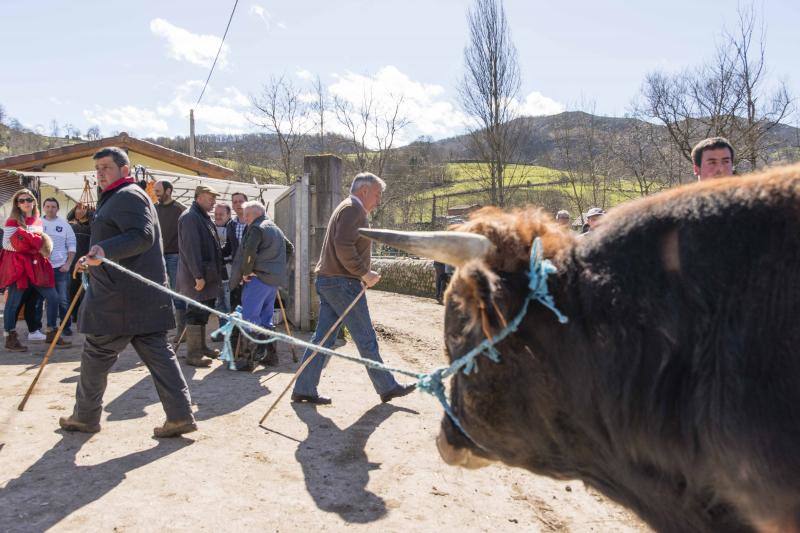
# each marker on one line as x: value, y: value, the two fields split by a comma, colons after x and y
x: 432, y: 382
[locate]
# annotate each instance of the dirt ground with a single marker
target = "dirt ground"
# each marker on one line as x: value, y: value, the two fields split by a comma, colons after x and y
x: 356, y: 465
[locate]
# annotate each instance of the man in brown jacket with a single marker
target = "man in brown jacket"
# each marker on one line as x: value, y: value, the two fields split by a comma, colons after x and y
x: 343, y: 266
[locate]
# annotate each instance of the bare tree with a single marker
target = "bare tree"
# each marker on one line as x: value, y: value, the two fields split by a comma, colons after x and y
x: 727, y: 96
x: 3, y: 115
x: 488, y: 93
x: 55, y: 130
x: 93, y: 133
x: 281, y: 111
x: 372, y: 127
x: 319, y: 106
x: 582, y: 150
x: 644, y: 159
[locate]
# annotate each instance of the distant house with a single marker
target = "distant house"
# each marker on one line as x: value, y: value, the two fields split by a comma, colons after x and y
x: 78, y: 158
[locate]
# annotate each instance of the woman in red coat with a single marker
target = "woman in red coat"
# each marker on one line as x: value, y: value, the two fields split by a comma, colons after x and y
x: 24, y: 263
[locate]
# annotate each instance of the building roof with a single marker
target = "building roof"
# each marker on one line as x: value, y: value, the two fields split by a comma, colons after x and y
x: 36, y: 161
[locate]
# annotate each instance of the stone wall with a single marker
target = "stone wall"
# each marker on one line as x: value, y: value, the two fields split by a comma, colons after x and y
x: 406, y: 276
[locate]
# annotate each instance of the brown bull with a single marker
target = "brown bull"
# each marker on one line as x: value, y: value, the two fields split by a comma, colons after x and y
x: 675, y: 387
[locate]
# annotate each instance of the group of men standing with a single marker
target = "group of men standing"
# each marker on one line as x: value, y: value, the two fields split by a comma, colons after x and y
x: 221, y: 262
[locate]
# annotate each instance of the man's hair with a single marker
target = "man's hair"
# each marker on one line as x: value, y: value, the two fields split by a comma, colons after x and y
x: 712, y: 143
x: 117, y: 154
x: 254, y: 204
x: 563, y: 214
x: 226, y: 205
x: 366, y: 178
x: 167, y: 185
x: 51, y: 199
x: 243, y: 195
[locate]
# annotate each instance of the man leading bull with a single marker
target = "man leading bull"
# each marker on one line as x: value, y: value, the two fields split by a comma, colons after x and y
x: 119, y: 310
x: 344, y: 264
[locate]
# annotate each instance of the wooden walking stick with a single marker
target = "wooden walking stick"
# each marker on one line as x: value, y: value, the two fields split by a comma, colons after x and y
x: 180, y: 340
x: 50, y: 349
x: 314, y: 353
x: 286, y: 323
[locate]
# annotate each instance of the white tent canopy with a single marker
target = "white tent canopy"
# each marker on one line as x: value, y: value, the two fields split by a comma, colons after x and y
x: 72, y: 183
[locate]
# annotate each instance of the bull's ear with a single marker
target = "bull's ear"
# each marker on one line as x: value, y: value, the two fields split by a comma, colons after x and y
x: 474, y: 291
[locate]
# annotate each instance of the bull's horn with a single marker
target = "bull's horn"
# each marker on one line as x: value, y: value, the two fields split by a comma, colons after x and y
x: 451, y: 247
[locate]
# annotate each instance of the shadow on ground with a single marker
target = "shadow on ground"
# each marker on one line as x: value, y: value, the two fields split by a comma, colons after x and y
x: 55, y: 486
x: 218, y: 392
x: 335, y: 464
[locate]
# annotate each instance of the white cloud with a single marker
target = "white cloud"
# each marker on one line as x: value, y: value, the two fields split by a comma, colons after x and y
x: 536, y: 104
x: 128, y: 118
x: 220, y: 112
x: 425, y: 105
x: 184, y: 45
x: 304, y: 74
x: 265, y: 16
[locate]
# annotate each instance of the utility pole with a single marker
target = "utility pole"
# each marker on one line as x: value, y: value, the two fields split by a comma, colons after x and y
x: 191, y: 133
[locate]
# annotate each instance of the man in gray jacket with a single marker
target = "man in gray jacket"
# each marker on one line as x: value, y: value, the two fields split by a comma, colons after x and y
x: 260, y: 265
x: 200, y: 271
x: 119, y: 310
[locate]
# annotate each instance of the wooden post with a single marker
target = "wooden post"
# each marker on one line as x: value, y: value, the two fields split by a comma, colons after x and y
x: 302, y: 270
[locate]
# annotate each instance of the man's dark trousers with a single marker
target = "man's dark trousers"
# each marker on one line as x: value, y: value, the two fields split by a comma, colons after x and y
x: 100, y: 352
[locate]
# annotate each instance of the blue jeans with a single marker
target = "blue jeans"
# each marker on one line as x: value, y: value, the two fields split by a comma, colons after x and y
x: 258, y: 302
x: 14, y: 300
x: 335, y: 294
x: 171, y: 260
x: 62, y: 288
x: 223, y: 300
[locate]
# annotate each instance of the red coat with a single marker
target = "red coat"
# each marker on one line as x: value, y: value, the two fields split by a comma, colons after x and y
x: 28, y: 263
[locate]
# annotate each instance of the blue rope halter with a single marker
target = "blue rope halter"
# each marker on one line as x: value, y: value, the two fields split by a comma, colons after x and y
x: 539, y: 269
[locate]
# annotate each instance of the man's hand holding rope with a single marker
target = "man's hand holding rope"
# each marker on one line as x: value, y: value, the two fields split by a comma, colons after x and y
x: 93, y: 258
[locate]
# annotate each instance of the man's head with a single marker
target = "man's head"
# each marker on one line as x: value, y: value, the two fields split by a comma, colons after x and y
x: 222, y: 213
x: 593, y: 217
x: 111, y: 164
x: 238, y: 199
x: 563, y: 218
x: 50, y: 208
x: 368, y: 188
x: 205, y: 197
x: 253, y: 210
x: 163, y: 190
x: 713, y: 158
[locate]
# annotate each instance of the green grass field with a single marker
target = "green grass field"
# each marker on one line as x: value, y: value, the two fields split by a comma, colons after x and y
x: 465, y: 181
x: 262, y: 174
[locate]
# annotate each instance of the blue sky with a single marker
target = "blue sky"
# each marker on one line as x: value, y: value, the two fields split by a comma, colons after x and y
x: 139, y: 66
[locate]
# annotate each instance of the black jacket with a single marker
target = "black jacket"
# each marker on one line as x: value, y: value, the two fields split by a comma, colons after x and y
x: 200, y: 255
x: 126, y: 227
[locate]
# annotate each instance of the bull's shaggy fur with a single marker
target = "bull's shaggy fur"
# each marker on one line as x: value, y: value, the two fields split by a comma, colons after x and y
x: 675, y: 387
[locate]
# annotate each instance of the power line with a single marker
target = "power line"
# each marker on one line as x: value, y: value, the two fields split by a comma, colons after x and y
x: 218, y: 51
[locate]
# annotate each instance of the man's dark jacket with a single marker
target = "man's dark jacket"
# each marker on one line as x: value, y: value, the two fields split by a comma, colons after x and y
x: 200, y: 255
x: 126, y: 227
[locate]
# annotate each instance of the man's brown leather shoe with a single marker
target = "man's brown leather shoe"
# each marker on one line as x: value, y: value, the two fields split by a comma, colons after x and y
x: 174, y: 429
x: 68, y: 423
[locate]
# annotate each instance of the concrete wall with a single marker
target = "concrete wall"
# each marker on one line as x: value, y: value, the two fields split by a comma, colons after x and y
x: 303, y: 212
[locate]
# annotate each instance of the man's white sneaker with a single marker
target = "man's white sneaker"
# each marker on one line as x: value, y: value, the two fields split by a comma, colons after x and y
x: 37, y: 336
